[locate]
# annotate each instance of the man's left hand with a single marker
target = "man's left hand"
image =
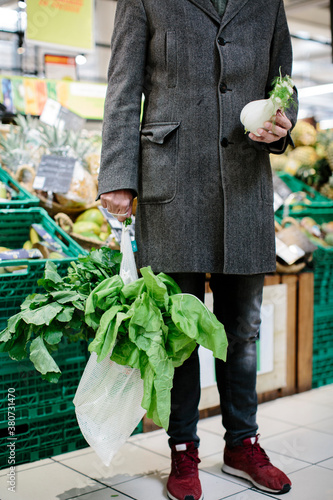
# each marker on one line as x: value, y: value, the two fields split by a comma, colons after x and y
x: 274, y: 130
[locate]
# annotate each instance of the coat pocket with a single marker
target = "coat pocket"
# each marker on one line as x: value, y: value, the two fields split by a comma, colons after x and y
x: 171, y: 58
x: 159, y: 157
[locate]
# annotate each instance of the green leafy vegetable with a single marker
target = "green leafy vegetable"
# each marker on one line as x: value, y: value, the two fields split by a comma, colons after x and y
x: 148, y: 324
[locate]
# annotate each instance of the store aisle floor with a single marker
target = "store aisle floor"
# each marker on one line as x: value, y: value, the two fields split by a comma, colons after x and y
x: 296, y: 431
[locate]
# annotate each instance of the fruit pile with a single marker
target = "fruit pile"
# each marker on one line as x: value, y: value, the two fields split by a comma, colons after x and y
x: 319, y: 234
x: 40, y: 245
x: 91, y: 224
x: 312, y: 159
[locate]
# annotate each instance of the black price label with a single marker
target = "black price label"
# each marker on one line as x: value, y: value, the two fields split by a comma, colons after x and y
x: 54, y: 174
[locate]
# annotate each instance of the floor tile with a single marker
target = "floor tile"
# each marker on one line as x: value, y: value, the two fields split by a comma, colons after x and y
x: 302, y: 443
x: 153, y: 487
x: 50, y: 482
x: 31, y: 465
x: 249, y: 495
x: 323, y: 426
x: 311, y: 483
x: 328, y: 464
x: 269, y: 426
x: 322, y: 395
x: 212, y: 424
x: 209, y: 443
x: 72, y: 454
x: 295, y: 411
x: 131, y: 461
x: 102, y: 494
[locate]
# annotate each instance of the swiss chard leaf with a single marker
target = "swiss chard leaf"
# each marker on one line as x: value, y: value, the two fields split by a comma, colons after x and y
x: 193, y: 318
x: 66, y: 314
x: 53, y: 334
x: 155, y: 287
x: 43, y: 315
x: 51, y: 280
x: 41, y: 358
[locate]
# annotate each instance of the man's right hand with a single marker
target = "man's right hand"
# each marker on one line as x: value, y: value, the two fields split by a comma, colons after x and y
x: 118, y: 202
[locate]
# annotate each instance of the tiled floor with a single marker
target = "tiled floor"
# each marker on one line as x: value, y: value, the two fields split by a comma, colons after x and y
x: 297, y: 433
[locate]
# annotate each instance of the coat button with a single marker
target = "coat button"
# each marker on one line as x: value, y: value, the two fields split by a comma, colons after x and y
x: 224, y: 142
x: 223, y: 88
x: 221, y: 41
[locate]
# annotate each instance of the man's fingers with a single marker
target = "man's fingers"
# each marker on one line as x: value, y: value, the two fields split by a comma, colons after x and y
x: 118, y: 202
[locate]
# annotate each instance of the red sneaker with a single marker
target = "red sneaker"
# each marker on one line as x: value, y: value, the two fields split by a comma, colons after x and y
x: 250, y: 462
x: 184, y: 482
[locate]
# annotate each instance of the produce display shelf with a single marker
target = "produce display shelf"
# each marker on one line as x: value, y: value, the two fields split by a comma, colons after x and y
x: 23, y: 198
x: 16, y: 286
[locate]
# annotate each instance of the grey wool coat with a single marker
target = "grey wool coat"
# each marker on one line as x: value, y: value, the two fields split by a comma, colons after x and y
x: 205, y: 197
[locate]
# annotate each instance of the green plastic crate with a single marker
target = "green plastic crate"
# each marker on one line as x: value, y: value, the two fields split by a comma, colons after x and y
x: 16, y: 286
x: 44, y: 437
x: 32, y: 393
x: 322, y: 361
x: 314, y: 198
x: 23, y: 199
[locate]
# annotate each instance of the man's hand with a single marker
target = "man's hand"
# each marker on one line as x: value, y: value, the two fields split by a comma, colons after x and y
x: 118, y: 202
x: 276, y: 128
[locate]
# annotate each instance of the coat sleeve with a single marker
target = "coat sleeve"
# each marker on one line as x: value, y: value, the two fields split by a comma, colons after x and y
x: 121, y: 135
x: 281, y: 57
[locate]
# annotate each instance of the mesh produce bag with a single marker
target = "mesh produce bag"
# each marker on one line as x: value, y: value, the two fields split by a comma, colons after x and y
x: 108, y: 398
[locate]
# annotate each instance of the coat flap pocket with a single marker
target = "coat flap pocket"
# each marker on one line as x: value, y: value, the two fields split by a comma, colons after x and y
x: 157, y: 132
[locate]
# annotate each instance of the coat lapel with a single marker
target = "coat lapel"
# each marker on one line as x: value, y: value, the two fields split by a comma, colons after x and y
x: 233, y: 7
x: 208, y: 8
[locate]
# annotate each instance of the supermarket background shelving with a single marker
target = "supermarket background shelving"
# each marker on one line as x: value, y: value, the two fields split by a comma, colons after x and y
x: 309, y: 23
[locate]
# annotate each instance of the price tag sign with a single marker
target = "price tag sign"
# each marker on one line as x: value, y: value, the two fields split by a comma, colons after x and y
x: 58, y: 116
x: 54, y: 174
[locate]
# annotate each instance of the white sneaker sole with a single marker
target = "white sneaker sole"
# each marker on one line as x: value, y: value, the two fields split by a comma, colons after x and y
x: 239, y: 473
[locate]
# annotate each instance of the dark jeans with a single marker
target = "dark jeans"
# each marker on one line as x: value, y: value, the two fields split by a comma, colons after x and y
x: 237, y: 302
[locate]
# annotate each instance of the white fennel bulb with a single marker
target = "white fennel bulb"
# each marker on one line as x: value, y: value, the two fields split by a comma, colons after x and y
x: 256, y: 113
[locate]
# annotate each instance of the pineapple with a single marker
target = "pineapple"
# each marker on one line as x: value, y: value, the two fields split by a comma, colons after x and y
x: 13, y: 152
x: 304, y: 134
x: 55, y: 141
x: 306, y: 155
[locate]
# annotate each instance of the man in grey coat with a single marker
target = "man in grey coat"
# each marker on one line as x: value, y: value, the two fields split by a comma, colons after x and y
x: 205, y: 196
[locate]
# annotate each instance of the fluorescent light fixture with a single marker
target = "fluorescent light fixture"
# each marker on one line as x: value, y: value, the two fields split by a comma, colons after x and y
x: 327, y: 88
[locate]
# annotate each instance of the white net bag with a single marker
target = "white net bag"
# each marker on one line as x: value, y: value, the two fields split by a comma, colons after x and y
x: 108, y: 398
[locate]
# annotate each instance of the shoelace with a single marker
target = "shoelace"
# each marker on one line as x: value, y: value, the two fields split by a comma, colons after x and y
x: 258, y: 454
x: 185, y: 462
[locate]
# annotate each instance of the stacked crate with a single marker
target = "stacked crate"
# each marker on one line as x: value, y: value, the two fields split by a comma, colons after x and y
x: 45, y: 422
x: 320, y: 209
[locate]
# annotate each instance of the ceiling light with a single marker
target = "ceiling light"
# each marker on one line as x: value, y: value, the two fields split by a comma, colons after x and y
x: 80, y: 59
